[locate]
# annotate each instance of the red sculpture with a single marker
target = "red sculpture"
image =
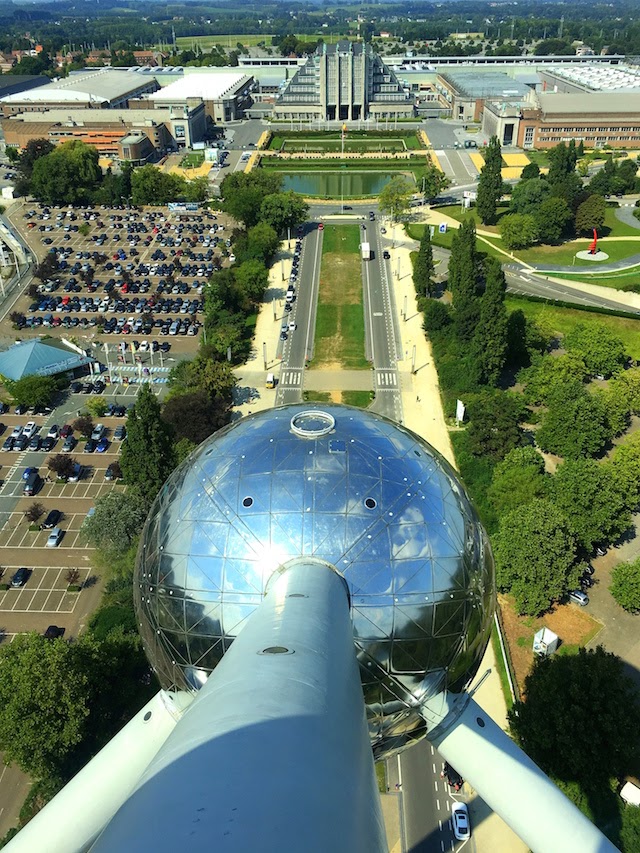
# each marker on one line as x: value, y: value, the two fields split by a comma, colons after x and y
x: 592, y: 248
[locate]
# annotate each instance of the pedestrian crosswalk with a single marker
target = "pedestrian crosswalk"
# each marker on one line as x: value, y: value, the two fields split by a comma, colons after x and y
x: 291, y: 378
x: 386, y: 380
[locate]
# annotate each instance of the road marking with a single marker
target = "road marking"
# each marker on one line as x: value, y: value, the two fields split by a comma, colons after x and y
x: 291, y: 377
x: 378, y: 314
x: 442, y: 846
x: 438, y: 807
x: 434, y: 767
x: 435, y: 785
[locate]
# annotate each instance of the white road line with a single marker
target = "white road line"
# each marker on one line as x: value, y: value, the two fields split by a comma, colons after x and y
x: 442, y: 846
x: 438, y: 807
x: 435, y: 785
x: 434, y: 767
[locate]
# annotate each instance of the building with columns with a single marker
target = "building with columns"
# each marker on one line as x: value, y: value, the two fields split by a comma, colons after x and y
x: 346, y: 81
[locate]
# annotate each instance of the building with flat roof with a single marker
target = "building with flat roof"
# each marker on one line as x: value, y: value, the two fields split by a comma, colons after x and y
x: 466, y: 92
x: 107, y: 130
x: 105, y: 88
x: 547, y: 118
x: 591, y: 78
x: 226, y: 94
x: 346, y: 81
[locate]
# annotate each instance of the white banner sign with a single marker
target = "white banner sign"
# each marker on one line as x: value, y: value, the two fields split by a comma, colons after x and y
x: 460, y: 410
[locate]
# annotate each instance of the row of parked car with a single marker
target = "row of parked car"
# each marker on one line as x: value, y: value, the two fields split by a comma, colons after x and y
x: 139, y: 305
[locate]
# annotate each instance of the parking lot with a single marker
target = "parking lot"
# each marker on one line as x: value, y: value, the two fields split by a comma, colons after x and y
x: 45, y: 591
x: 133, y: 279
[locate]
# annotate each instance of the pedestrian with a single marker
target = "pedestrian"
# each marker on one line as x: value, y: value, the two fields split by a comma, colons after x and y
x: 417, y: 399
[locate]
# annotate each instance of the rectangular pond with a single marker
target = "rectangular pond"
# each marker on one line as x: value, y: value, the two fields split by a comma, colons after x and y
x: 340, y: 183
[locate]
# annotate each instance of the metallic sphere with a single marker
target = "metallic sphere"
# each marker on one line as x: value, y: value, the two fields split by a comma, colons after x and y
x: 348, y: 487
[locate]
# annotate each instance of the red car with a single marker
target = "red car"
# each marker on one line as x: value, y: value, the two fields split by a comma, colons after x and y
x: 321, y: 226
x: 66, y: 431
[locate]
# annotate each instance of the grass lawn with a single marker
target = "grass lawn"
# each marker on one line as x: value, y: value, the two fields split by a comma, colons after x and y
x: 350, y: 145
x: 565, y: 253
x: 563, y: 320
x: 457, y: 212
x: 316, y: 396
x: 339, y: 338
x: 539, y: 157
x: 359, y: 399
x: 227, y: 42
x: 613, y: 227
x: 623, y: 280
x: 192, y: 160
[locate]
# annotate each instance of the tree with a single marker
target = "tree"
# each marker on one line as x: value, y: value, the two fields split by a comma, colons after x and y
x: 590, y: 214
x: 395, y: 196
x: 552, y: 219
x: 626, y: 386
x: 490, y: 183
x: 527, y: 196
x: 32, y: 151
x: 575, y: 424
x: 530, y: 172
x: 625, y: 585
x: 423, y: 267
x: 83, y: 425
x: 67, y: 175
x: 47, y: 267
x: 195, y: 415
x: 252, y: 277
x: 548, y: 372
x: 32, y: 390
x: 117, y: 521
x: 562, y: 178
x: 601, y: 350
x: 151, y: 186
x: 568, y: 695
x: 517, y: 480
x: 62, y: 465
x: 535, y: 555
x: 630, y: 829
x: 490, y: 340
x: 463, y: 277
x: 61, y: 702
x: 147, y: 456
x: 96, y: 406
x: 262, y: 242
x: 216, y: 378
x: 494, y: 419
x: 283, y: 210
x: 587, y: 493
x: 431, y: 181
x: 34, y: 511
x: 626, y: 464
x: 244, y: 193
x: 518, y: 230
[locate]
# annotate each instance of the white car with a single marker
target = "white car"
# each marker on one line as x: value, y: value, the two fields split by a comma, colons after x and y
x: 53, y: 540
x: 17, y: 431
x: 291, y: 325
x: 144, y: 346
x: 460, y: 821
x: 30, y: 429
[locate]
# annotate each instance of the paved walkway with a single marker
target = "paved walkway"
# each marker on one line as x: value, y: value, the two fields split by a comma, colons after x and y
x: 625, y: 214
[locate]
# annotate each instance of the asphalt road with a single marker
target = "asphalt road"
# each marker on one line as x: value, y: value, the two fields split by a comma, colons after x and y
x: 382, y: 338
x: 297, y: 349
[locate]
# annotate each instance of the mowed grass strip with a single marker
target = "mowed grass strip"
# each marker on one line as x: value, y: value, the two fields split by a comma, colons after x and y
x: 339, y: 339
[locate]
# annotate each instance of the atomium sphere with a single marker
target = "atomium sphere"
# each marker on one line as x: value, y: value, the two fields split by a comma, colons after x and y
x: 345, y: 486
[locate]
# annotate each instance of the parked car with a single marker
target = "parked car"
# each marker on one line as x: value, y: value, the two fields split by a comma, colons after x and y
x: 52, y: 519
x: 102, y: 445
x: 77, y: 473
x: 460, y: 821
x: 28, y: 472
x: 30, y: 429
x: 66, y: 431
x: 577, y: 596
x: 8, y: 444
x: 53, y: 431
x: 98, y: 432
x: 69, y: 444
x: 20, y: 577
x: 120, y: 433
x: 53, y: 540
x: 53, y: 632
x: 386, y: 255
x: 47, y: 444
x: 89, y: 446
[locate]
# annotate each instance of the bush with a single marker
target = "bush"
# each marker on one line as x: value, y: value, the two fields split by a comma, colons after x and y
x: 625, y: 585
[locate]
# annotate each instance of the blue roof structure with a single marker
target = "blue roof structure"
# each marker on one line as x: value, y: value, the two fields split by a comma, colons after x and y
x: 43, y: 358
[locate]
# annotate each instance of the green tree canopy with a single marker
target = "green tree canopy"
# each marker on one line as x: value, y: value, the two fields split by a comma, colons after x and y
x: 553, y: 218
x: 527, y: 196
x: 626, y: 462
x: 517, y: 480
x: 203, y: 373
x: 195, y: 415
x: 590, y: 214
x: 548, y: 372
x: 587, y: 493
x: 149, y: 185
x: 464, y: 272
x: 283, y: 210
x: 32, y: 390
x: 32, y: 151
x: 423, y: 267
x: 395, y: 196
x: 518, y: 230
x: 494, y: 419
x: 575, y: 424
x: 490, y: 182
x: 252, y: 277
x: 490, y: 340
x: 261, y: 244
x: 625, y: 585
x: 568, y: 695
x: 601, y: 350
x: 431, y: 181
x: 243, y: 194
x: 630, y: 829
x: 117, y: 521
x: 67, y: 175
x: 535, y: 555
x: 148, y: 455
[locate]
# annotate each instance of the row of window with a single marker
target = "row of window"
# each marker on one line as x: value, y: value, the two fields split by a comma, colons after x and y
x: 617, y: 129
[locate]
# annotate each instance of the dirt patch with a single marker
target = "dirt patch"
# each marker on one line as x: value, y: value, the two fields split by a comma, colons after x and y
x: 335, y: 396
x: 573, y: 626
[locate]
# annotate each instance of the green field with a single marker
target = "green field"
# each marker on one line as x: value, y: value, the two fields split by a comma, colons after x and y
x: 564, y: 320
x: 205, y: 43
x: 565, y: 253
x: 624, y: 280
x: 339, y: 338
x: 192, y: 160
x: 355, y: 141
x: 350, y: 145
